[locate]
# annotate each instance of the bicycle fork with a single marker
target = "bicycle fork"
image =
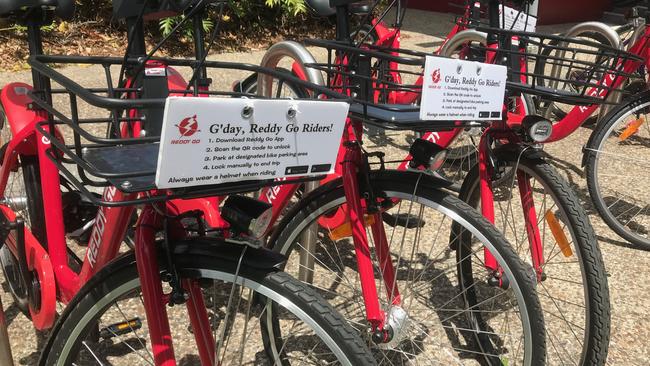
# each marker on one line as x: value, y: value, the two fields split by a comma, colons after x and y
x: 155, y: 301
x: 486, y: 172
x: 352, y: 164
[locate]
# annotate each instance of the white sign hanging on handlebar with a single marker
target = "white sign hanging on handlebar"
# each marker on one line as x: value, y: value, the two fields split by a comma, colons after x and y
x: 516, y: 20
x: 208, y: 141
x: 458, y: 90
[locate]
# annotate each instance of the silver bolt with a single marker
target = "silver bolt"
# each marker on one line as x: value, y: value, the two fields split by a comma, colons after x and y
x: 292, y: 112
x: 143, y: 133
x: 247, y: 112
x: 126, y: 184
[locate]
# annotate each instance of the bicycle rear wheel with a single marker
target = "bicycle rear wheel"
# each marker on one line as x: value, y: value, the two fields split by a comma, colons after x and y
x: 447, y: 312
x: 567, y: 77
x: 573, y: 290
x: 617, y: 158
x: 105, y: 323
x: 279, y: 89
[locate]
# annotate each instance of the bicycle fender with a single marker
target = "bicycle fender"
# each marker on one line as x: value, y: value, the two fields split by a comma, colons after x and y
x: 641, y: 99
x: 337, y: 183
x: 227, y: 254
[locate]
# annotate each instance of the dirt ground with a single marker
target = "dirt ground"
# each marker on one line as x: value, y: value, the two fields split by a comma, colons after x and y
x: 626, y: 266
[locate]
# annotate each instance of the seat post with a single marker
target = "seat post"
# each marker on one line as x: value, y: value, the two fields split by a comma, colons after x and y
x: 342, y: 23
x: 135, y: 30
x: 199, y: 51
x: 35, y: 41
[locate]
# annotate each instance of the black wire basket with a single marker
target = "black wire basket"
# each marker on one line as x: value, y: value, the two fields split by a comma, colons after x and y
x: 384, y: 84
x: 568, y: 70
x: 95, y: 144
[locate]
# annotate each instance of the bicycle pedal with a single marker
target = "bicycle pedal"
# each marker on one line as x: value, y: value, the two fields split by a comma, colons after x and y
x: 119, y: 329
x: 404, y: 220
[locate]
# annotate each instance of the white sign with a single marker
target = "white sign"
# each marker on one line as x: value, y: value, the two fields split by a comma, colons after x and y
x: 517, y: 20
x: 217, y: 140
x: 457, y: 90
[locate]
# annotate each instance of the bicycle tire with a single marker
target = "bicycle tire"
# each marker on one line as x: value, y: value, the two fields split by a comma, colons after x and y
x: 249, y: 85
x: 584, y: 244
x: 550, y: 109
x: 613, y: 194
x: 120, y: 278
x: 24, y: 180
x: 401, y: 185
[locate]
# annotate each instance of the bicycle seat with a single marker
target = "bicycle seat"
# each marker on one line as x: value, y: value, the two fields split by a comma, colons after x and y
x: 62, y: 8
x: 321, y: 7
x: 360, y: 9
x: 326, y: 8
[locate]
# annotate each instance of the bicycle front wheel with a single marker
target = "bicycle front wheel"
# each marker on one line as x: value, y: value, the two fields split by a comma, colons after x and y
x: 105, y: 323
x: 617, y: 159
x: 447, y: 311
x: 572, y: 285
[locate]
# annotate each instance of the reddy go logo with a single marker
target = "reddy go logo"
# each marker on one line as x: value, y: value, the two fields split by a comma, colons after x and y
x: 435, y: 76
x: 188, y: 127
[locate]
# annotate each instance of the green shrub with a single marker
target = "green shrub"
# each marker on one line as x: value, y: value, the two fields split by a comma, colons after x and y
x: 295, y: 7
x: 245, y: 14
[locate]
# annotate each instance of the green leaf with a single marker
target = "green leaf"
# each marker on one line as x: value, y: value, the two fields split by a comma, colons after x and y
x: 208, y: 25
x: 166, y: 25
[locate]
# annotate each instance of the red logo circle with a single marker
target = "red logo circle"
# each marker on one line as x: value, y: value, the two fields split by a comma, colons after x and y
x: 435, y: 76
x: 188, y: 127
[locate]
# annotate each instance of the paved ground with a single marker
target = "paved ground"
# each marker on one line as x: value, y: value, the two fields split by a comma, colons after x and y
x: 628, y: 274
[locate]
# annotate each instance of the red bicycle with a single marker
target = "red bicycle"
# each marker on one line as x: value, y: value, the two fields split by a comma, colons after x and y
x: 552, y: 231
x: 400, y: 319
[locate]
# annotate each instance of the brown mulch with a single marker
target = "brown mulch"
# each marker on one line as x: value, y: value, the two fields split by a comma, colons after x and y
x: 97, y: 38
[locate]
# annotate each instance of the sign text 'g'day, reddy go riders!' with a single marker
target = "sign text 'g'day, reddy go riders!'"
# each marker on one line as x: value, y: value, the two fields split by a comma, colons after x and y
x: 216, y: 140
x: 458, y: 90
